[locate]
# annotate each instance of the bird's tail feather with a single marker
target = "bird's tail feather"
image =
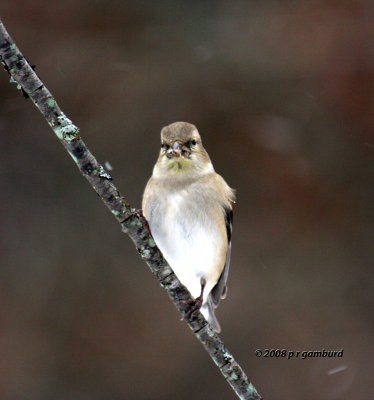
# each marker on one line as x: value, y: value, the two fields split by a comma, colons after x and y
x: 208, y: 311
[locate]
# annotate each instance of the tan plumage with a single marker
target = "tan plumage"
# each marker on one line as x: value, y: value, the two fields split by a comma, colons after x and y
x: 189, y: 211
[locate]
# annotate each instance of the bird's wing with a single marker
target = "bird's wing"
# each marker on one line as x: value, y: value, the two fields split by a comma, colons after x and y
x: 220, y: 289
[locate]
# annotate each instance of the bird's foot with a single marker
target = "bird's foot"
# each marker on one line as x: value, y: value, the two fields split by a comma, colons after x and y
x: 195, y: 307
x: 195, y: 304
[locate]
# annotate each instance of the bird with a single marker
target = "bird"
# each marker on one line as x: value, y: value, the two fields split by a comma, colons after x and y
x: 188, y: 207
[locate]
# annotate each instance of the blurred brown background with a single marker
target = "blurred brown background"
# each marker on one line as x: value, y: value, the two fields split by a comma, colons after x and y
x: 283, y: 95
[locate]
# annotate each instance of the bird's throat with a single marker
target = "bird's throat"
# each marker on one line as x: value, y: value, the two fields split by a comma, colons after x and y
x: 179, y: 164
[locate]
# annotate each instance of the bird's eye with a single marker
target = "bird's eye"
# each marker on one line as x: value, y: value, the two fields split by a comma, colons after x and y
x: 193, y: 142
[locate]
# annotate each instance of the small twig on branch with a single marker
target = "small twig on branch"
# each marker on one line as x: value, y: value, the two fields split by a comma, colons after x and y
x: 26, y: 79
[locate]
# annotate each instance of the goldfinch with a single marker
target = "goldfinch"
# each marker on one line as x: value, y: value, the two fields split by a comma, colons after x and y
x: 188, y: 207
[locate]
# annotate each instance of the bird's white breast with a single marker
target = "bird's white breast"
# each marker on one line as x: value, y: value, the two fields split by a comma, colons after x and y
x: 188, y: 240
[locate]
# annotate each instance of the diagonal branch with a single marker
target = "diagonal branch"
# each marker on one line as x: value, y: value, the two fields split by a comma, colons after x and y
x: 26, y: 79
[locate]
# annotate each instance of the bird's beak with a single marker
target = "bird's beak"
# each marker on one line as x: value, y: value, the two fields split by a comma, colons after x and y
x: 175, y: 150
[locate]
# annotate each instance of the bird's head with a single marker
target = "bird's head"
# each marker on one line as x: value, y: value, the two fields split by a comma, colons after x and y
x: 182, y: 151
